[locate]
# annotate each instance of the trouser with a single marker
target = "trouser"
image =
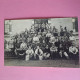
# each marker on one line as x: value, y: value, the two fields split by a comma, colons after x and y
x: 46, y: 55
x: 12, y: 51
x: 40, y: 57
x: 36, y: 57
x: 65, y: 55
x: 29, y: 57
x: 74, y: 56
x: 47, y: 40
x: 53, y: 54
x: 21, y: 54
x: 60, y: 53
x: 70, y: 55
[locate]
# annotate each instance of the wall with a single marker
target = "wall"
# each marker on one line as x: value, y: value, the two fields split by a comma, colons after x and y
x: 67, y: 22
x: 20, y: 25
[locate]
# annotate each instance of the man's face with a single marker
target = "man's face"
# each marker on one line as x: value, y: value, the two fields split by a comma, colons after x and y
x: 38, y: 33
x: 47, y: 47
x: 53, y: 26
x: 63, y: 40
x: 35, y: 34
x: 48, y: 31
x: 29, y: 47
x: 23, y: 42
x: 73, y: 45
x: 37, y: 47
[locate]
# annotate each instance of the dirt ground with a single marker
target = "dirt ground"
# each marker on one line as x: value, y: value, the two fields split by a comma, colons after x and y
x: 43, y: 63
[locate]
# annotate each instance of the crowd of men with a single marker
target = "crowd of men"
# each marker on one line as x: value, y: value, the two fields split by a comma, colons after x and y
x: 42, y: 43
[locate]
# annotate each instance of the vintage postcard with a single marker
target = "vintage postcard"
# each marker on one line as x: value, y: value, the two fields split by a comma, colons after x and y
x: 43, y: 42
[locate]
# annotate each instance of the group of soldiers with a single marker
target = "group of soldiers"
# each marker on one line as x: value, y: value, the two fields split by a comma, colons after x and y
x: 43, y: 42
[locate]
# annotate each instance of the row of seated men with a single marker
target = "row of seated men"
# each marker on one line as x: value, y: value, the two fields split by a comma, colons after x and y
x: 52, y: 52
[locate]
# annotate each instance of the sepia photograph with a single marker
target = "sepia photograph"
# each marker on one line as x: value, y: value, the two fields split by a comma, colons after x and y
x: 42, y: 42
